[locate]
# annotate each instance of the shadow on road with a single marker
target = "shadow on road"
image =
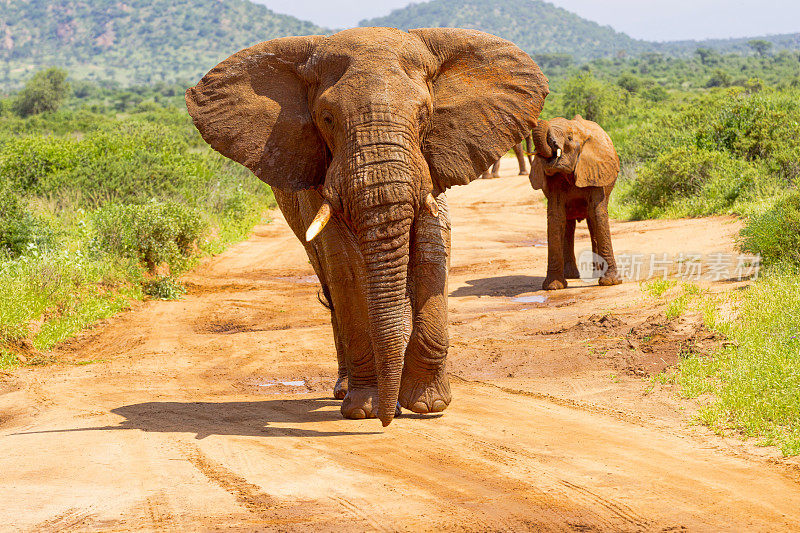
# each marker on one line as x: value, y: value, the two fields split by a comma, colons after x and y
x: 506, y: 286
x: 247, y: 419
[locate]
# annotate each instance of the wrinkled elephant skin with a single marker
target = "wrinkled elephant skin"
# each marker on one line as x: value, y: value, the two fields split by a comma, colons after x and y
x: 359, y: 134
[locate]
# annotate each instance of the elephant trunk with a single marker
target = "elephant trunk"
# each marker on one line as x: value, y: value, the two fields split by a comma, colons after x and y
x: 540, y: 140
x: 384, y: 239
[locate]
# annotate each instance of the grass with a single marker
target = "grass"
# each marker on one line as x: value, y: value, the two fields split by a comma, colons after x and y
x: 679, y: 303
x: 753, y: 382
x: 657, y: 287
x: 8, y: 360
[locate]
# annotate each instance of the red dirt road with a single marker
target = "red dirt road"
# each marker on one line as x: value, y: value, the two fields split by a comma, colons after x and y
x: 214, y: 412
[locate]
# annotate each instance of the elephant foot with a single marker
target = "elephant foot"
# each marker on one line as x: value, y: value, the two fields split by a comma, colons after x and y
x: 523, y: 173
x: 359, y: 404
x: 554, y: 284
x: 609, y: 279
x: 340, y: 389
x: 495, y: 176
x: 571, y: 271
x: 423, y: 394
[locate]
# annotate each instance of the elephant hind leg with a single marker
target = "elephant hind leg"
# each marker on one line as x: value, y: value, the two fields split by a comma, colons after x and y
x: 601, y: 236
x: 496, y: 169
x: 521, y: 159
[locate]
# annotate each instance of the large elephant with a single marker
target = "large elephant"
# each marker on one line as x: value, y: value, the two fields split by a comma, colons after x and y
x: 360, y: 133
x: 576, y: 166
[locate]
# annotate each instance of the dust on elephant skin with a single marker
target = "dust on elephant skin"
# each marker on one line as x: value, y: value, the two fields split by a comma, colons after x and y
x: 360, y: 133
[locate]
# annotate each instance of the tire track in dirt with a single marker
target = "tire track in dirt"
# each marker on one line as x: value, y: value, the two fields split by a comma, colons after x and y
x: 247, y: 494
x: 185, y: 426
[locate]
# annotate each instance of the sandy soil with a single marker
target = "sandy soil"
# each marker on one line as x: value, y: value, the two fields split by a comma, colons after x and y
x: 214, y: 412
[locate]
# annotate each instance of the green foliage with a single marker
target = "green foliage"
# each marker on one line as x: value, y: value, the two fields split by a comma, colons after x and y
x: 537, y: 27
x: 657, y: 287
x: 722, y: 152
x: 136, y: 41
x: 20, y: 231
x: 760, y: 46
x: 152, y: 233
x: 719, y: 78
x: 655, y: 94
x: 152, y: 42
x: 775, y: 233
x: 45, y: 91
x: 91, y: 200
x: 630, y: 82
x: 120, y: 162
x: 690, y: 181
x: 707, y: 55
x: 552, y: 61
x: 61, y: 291
x: 754, y: 381
x: 759, y: 127
x: 544, y: 30
x: 164, y: 288
x: 591, y: 98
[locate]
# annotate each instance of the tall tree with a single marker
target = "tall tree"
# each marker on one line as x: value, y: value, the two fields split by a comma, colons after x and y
x: 760, y: 46
x: 45, y: 91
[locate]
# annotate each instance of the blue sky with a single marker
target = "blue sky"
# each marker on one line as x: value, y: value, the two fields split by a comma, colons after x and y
x: 655, y: 20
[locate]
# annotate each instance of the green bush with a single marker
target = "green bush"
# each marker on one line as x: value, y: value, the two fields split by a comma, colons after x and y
x: 590, y: 97
x: 758, y: 127
x: 152, y: 233
x: 655, y: 94
x: 690, y: 182
x: 775, y: 234
x: 20, y: 231
x: 45, y: 91
x: 63, y: 291
x: 164, y: 288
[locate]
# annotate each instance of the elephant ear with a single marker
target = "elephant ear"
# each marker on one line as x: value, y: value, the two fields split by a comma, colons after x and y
x: 537, y: 173
x: 487, y: 96
x: 253, y: 108
x: 598, y: 163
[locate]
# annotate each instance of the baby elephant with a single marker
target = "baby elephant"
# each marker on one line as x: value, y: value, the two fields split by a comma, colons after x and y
x: 576, y: 166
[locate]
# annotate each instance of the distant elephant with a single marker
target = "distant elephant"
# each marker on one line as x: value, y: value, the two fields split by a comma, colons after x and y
x: 519, y: 151
x: 360, y: 133
x: 576, y: 166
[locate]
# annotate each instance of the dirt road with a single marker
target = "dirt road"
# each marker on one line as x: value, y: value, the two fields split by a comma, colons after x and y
x: 214, y: 412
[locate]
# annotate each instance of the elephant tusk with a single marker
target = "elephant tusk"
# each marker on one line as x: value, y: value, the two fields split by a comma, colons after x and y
x: 322, y: 218
x: 433, y: 207
x: 558, y: 153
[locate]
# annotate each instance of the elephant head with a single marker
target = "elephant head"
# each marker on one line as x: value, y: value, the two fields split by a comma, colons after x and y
x: 577, y: 148
x: 379, y: 121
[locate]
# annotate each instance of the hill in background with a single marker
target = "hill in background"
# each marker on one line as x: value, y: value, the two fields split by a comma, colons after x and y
x: 132, y: 41
x: 137, y: 42
x: 535, y: 26
x: 539, y: 27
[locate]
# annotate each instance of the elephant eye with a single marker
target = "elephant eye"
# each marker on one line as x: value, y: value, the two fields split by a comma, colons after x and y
x: 327, y: 118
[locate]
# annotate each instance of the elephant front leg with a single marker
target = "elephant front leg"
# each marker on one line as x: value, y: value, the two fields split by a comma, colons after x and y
x: 570, y: 264
x: 556, y: 228
x: 601, y: 236
x: 424, y: 387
